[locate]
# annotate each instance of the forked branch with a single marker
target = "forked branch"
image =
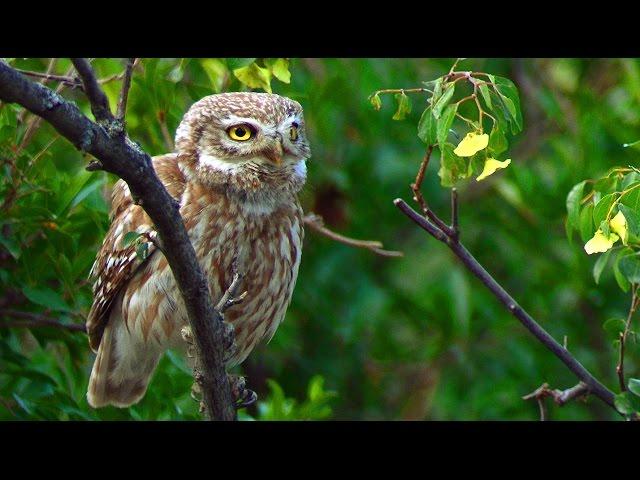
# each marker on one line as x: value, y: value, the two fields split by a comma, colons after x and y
x: 449, y: 235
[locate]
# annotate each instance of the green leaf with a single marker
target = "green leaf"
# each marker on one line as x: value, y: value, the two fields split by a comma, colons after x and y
x: 626, y: 403
x: 602, y: 208
x: 71, y: 189
x: 573, y: 203
x: 445, y: 122
x: 629, y: 179
x: 216, y: 70
x: 404, y: 106
x: 613, y: 327
x: 279, y: 68
x: 12, y: 246
x: 600, y: 264
x: 497, y: 141
x: 630, y: 267
x: 443, y: 100
x: 632, y: 198
x: 254, y: 76
x: 484, y: 91
x: 452, y: 167
x: 622, y: 281
x: 508, y: 94
x: 427, y: 128
x: 634, y: 386
x: 235, y: 63
x: 633, y: 220
x: 375, y: 101
x: 46, y: 297
x: 586, y: 222
x: 626, y: 145
x: 437, y: 90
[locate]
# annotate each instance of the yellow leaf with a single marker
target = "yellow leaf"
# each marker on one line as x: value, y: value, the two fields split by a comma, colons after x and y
x: 600, y: 242
x: 254, y: 76
x: 471, y: 144
x: 619, y: 225
x: 280, y: 69
x: 490, y: 167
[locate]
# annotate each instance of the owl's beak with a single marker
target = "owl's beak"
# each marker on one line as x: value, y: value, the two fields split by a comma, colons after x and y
x: 274, y: 153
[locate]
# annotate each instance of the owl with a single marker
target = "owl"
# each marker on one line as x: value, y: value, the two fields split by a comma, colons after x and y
x: 238, y: 165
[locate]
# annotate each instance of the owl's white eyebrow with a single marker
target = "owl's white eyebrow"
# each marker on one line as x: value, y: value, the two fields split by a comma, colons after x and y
x: 234, y: 120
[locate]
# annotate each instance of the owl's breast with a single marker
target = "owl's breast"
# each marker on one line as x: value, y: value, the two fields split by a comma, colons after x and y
x: 268, y: 248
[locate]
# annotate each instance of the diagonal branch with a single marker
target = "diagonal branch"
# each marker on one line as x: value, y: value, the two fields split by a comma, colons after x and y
x: 468, y: 260
x: 121, y: 156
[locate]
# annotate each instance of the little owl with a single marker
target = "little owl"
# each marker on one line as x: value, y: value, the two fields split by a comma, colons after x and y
x: 238, y: 166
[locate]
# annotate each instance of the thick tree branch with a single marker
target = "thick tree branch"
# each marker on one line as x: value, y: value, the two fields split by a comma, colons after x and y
x: 121, y: 156
x: 595, y: 387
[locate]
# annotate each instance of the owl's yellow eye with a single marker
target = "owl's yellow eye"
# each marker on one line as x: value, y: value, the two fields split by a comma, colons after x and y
x: 241, y: 133
x: 293, y: 133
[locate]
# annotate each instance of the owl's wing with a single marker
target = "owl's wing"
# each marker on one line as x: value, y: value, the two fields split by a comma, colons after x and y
x: 115, y: 263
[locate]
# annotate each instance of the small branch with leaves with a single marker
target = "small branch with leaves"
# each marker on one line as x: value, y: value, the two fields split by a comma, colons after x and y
x: 496, y: 99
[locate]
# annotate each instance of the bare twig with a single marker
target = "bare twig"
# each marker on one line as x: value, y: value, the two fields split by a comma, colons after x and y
x: 315, y: 222
x: 417, y: 185
x: 68, y: 81
x: 166, y: 135
x: 539, y: 395
x: 124, y: 91
x: 454, y: 213
x: 623, y: 337
x: 561, y: 397
x: 118, y: 76
x: 122, y: 157
x: 595, y: 387
x: 31, y: 320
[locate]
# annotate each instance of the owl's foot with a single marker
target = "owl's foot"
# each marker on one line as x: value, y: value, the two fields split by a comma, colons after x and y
x: 231, y: 297
x: 242, y: 396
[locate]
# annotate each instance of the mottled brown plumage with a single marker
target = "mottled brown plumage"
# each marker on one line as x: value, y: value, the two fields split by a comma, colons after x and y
x: 238, y: 199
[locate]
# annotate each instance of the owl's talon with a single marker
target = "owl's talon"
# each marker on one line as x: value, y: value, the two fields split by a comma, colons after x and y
x: 242, y: 396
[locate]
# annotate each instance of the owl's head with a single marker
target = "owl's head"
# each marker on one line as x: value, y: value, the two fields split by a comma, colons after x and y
x: 245, y: 139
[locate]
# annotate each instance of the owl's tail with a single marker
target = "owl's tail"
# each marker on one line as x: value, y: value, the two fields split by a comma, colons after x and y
x: 122, y: 369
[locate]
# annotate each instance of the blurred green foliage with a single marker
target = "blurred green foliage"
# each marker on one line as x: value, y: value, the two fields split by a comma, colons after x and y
x: 365, y: 337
